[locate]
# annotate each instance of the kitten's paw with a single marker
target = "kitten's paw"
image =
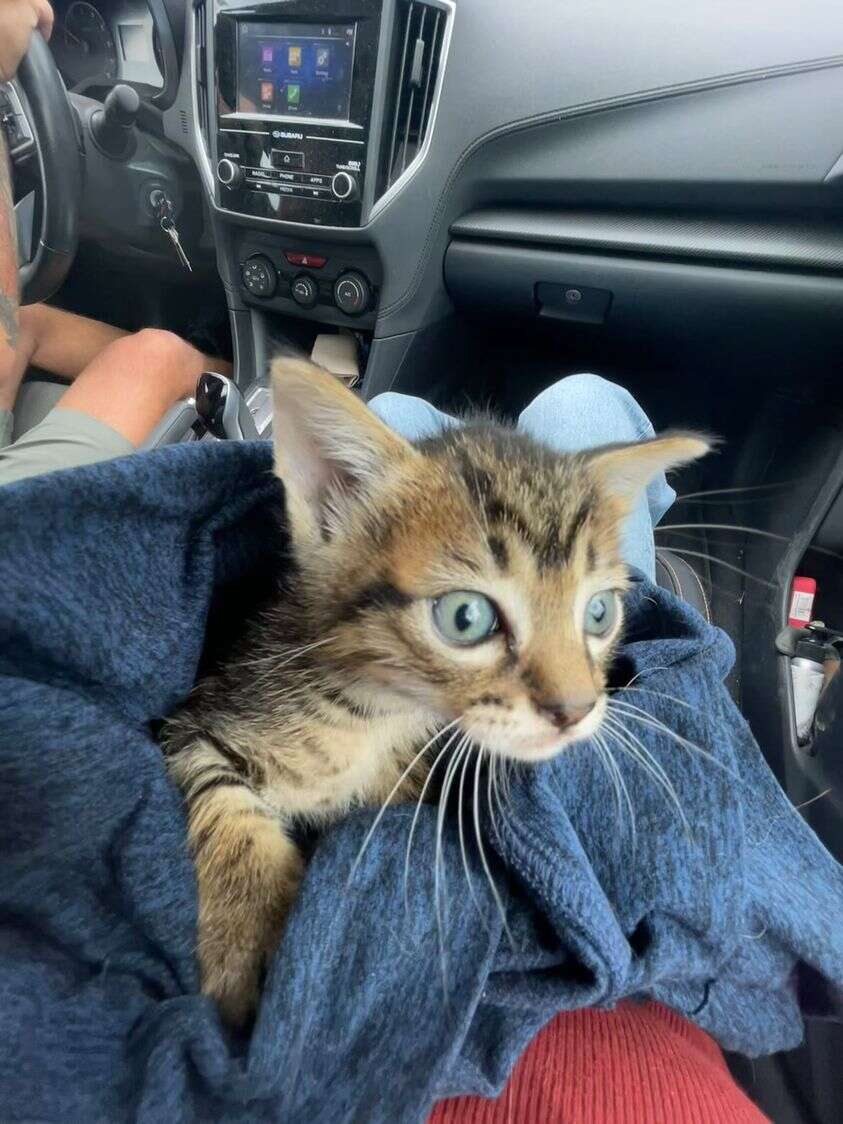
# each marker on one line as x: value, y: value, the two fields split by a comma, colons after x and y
x: 248, y: 874
x: 234, y: 989
x: 241, y: 920
x: 233, y: 960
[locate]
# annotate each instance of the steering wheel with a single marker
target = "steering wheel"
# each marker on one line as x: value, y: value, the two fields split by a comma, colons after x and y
x: 45, y: 127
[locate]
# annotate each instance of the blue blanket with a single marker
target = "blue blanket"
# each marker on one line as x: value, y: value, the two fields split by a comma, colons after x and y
x: 110, y: 577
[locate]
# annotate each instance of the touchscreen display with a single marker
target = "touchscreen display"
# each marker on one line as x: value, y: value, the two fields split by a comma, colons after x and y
x: 295, y: 69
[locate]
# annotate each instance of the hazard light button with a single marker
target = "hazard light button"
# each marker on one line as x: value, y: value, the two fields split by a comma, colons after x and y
x: 308, y: 261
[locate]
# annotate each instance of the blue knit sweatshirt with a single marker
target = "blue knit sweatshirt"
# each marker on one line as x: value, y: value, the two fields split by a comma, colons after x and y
x: 111, y: 577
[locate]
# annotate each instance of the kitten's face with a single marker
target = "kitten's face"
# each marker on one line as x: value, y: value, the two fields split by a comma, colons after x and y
x: 475, y: 579
x: 481, y: 585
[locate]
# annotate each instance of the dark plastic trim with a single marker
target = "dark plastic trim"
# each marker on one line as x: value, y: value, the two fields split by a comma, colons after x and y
x: 502, y: 277
x: 815, y: 244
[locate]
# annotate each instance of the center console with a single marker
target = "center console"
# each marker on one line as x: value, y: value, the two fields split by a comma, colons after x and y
x: 309, y: 115
x: 294, y: 110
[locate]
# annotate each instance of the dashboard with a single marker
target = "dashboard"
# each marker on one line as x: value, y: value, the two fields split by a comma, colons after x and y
x: 375, y: 163
x: 96, y: 45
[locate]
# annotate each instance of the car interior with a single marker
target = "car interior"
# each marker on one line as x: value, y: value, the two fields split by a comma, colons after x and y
x: 465, y: 200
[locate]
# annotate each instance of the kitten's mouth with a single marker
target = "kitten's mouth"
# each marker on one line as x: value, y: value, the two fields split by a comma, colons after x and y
x: 541, y: 741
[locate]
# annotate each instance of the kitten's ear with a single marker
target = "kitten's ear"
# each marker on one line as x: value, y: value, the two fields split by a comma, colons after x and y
x: 624, y: 471
x: 326, y: 442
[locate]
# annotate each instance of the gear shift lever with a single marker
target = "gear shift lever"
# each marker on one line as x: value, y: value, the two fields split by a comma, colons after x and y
x: 223, y: 409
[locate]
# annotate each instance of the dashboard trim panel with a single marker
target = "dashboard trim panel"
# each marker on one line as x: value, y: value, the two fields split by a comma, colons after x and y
x: 789, y: 244
x: 584, y: 109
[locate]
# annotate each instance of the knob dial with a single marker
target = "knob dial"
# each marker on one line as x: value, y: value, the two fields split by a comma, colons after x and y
x: 344, y: 186
x: 229, y: 173
x: 352, y: 293
x: 304, y: 291
x: 259, y: 276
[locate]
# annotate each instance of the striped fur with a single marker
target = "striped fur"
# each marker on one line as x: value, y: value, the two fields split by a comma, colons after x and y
x: 344, y: 678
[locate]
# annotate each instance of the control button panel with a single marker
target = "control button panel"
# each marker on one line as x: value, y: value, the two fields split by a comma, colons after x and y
x: 305, y: 185
x: 304, y: 291
x: 260, y: 276
x: 318, y: 183
x: 326, y: 281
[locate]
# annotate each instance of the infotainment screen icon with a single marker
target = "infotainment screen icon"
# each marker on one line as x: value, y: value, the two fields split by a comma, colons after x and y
x: 295, y: 70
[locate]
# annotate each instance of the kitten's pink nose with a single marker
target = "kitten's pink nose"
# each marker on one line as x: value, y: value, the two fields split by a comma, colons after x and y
x: 567, y: 713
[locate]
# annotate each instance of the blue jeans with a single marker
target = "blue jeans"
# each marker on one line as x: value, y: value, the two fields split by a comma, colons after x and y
x: 576, y: 413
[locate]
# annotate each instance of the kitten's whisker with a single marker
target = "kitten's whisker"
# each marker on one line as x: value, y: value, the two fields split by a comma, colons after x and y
x: 508, y: 767
x: 632, y: 746
x: 620, y: 786
x: 720, y: 562
x: 441, y: 914
x: 770, y: 497
x: 465, y: 761
x: 644, y: 671
x: 491, y: 787
x: 657, y: 767
x: 272, y: 657
x: 639, y: 752
x: 394, y: 789
x: 678, y: 527
x: 636, y: 714
x: 419, y: 803
x: 614, y: 691
x: 736, y: 491
x: 500, y: 766
x: 600, y: 746
x: 481, y: 849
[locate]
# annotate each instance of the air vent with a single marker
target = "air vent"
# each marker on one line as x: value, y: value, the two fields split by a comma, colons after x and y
x: 419, y: 64
x: 201, y: 63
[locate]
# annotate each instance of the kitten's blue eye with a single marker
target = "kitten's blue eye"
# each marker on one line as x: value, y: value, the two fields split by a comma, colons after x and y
x: 465, y: 618
x: 601, y: 613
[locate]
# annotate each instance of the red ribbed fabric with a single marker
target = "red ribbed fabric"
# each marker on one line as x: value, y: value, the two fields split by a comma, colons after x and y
x: 639, y: 1064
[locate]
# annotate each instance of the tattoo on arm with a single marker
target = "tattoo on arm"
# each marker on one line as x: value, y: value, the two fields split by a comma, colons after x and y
x: 8, y: 253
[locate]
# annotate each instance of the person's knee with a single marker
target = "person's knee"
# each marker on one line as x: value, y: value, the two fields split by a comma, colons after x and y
x: 412, y: 417
x: 583, y: 389
x: 162, y: 346
x: 385, y: 403
x: 163, y: 355
x: 584, y: 410
x: 164, y: 361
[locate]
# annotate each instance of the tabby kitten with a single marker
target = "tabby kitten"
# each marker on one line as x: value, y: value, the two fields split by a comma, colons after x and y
x: 472, y: 580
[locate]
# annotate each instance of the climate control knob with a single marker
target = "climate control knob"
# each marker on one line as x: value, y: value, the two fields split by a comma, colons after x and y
x: 229, y: 173
x: 304, y: 291
x: 352, y: 293
x: 259, y: 276
x: 344, y: 186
